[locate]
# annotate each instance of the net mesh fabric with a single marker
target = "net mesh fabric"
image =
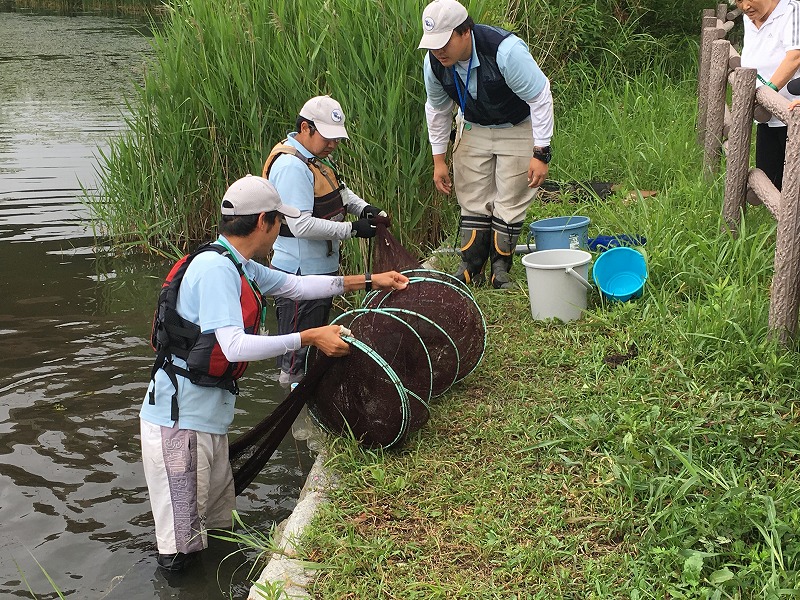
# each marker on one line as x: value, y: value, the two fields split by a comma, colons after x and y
x: 407, y: 346
x: 447, y: 305
x: 403, y: 350
x: 362, y: 397
x: 252, y: 450
x: 441, y: 348
x: 389, y: 254
x: 412, y: 344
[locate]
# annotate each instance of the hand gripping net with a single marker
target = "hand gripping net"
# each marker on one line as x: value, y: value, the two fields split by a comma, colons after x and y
x: 407, y: 347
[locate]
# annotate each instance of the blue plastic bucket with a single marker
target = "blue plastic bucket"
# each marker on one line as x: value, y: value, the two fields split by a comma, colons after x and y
x: 560, y: 232
x: 620, y: 273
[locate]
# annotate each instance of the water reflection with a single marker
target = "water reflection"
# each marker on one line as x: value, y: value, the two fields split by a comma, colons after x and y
x: 73, y: 326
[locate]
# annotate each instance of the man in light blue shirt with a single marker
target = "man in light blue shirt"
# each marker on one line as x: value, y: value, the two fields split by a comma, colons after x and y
x: 309, y: 244
x: 212, y: 332
x: 503, y: 127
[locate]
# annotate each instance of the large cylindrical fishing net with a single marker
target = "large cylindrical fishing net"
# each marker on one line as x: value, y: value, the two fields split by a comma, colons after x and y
x: 406, y: 347
x: 448, y: 305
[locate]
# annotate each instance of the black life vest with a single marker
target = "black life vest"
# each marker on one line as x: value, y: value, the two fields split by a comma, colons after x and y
x: 172, y: 335
x: 495, y: 103
x: 328, y: 202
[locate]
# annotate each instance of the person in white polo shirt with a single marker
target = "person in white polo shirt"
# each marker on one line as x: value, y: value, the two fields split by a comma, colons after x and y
x: 772, y: 47
x: 213, y: 331
x: 502, y: 131
x: 300, y: 168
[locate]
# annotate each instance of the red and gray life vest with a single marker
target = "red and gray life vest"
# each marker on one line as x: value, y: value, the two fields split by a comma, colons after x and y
x: 172, y: 335
x: 328, y: 202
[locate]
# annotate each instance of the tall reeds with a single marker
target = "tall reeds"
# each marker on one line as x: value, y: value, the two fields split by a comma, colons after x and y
x: 226, y: 84
x: 226, y: 81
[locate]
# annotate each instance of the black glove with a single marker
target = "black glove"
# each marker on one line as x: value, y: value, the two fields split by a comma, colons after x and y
x: 364, y: 228
x: 372, y: 211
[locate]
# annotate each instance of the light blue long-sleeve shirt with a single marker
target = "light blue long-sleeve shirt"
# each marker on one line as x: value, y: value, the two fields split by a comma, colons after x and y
x: 209, y: 297
x: 307, y: 252
x: 523, y: 77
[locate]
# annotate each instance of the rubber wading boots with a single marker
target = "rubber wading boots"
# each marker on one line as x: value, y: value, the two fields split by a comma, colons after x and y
x: 474, y: 249
x: 503, y: 245
x: 177, y: 562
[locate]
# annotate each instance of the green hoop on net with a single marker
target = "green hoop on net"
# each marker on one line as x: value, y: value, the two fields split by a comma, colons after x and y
x: 371, y: 403
x: 442, y: 350
x: 403, y: 349
x: 450, y: 306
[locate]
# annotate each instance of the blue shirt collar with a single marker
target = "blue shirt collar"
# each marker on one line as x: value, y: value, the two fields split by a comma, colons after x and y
x: 293, y: 142
x: 476, y: 62
x: 242, y: 260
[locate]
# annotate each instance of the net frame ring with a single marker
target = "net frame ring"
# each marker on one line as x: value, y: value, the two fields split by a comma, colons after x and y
x: 422, y: 273
x: 439, y: 387
x: 378, y: 301
x: 402, y: 396
x: 353, y: 320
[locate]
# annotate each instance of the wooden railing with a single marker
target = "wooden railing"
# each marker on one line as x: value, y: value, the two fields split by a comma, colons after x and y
x: 723, y: 128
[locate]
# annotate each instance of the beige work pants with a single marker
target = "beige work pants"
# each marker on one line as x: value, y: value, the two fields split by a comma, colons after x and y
x: 490, y: 172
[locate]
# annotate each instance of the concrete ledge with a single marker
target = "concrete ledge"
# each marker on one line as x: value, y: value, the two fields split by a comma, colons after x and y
x: 283, y: 568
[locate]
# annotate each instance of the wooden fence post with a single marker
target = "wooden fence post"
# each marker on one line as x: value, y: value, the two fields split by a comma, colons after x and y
x: 743, y: 84
x: 708, y: 14
x: 785, y: 298
x: 715, y: 106
x: 710, y: 33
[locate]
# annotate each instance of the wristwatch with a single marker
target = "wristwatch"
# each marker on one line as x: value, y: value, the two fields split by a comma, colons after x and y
x: 542, y: 153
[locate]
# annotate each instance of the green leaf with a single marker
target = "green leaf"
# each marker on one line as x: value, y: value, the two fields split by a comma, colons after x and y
x: 720, y: 576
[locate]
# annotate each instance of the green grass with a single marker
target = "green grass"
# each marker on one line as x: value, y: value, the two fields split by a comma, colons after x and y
x: 550, y: 472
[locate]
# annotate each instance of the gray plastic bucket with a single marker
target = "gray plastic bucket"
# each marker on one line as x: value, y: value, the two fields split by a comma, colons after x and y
x: 558, y: 281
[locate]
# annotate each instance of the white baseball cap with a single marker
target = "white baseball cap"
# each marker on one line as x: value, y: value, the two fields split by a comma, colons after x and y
x: 327, y: 115
x: 252, y: 195
x: 439, y: 19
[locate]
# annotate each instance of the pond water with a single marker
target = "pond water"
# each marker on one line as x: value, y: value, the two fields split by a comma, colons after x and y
x: 74, y: 326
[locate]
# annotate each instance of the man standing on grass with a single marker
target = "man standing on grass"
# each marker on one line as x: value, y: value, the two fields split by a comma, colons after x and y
x: 206, y: 335
x: 501, y: 138
x: 309, y: 243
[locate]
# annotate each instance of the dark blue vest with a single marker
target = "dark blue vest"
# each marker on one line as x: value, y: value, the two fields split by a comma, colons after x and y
x: 496, y: 103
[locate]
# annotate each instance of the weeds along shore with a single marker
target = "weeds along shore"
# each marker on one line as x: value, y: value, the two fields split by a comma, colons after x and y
x: 225, y: 84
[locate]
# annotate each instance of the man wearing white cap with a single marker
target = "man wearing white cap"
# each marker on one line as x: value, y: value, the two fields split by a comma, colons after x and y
x: 210, y: 312
x: 309, y: 243
x: 502, y: 131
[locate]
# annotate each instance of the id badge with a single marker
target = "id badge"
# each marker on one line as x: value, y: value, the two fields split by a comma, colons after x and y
x: 459, y: 129
x: 262, y: 326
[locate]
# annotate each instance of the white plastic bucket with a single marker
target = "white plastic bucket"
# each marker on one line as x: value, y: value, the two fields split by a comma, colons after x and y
x: 558, y: 281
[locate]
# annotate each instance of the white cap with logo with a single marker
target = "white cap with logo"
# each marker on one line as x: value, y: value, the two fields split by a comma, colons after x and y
x: 439, y: 19
x: 327, y: 115
x: 252, y: 195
